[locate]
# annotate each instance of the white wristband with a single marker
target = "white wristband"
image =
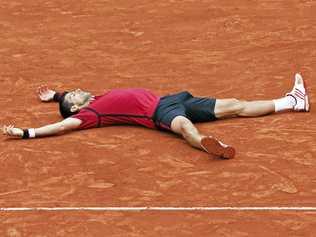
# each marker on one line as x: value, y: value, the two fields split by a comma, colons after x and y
x: 31, y: 132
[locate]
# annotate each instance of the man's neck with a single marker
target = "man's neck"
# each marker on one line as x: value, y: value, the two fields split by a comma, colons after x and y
x: 91, y: 99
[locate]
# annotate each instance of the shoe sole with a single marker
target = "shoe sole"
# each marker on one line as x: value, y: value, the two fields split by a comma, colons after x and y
x: 306, y: 106
x: 213, y: 146
x: 306, y: 96
x: 306, y: 103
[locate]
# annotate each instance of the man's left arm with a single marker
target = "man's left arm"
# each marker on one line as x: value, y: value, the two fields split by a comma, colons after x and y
x: 48, y: 130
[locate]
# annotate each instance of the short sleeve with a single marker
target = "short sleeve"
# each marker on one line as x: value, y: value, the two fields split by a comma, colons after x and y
x: 88, y: 118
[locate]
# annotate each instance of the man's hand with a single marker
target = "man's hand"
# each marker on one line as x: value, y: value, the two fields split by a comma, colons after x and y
x: 11, y: 131
x: 45, y: 94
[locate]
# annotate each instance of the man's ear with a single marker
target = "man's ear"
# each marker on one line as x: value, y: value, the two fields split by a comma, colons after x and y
x: 74, y: 108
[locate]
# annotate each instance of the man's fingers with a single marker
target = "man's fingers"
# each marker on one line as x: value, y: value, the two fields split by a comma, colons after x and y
x: 45, y: 88
x: 41, y: 89
x: 7, y: 129
x: 40, y: 92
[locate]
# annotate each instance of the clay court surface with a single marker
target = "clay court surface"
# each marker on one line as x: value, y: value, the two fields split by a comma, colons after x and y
x: 244, y: 49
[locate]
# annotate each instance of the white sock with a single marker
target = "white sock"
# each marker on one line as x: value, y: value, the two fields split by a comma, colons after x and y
x: 285, y: 103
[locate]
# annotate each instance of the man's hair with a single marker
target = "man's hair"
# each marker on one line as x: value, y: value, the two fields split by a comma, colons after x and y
x: 65, y: 106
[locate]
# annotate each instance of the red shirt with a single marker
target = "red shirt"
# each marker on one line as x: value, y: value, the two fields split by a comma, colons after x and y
x: 120, y: 106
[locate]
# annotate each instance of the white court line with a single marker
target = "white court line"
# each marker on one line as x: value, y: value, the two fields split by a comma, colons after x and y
x: 138, y: 209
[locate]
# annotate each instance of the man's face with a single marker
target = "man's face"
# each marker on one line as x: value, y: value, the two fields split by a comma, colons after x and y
x: 77, y: 97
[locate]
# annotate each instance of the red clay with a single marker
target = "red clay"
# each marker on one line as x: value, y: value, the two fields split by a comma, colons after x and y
x: 243, y: 49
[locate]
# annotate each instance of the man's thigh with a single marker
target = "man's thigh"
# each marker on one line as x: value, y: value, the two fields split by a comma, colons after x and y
x: 170, y: 107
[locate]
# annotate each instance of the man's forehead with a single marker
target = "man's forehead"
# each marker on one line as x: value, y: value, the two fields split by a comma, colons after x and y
x: 72, y: 91
x: 67, y: 96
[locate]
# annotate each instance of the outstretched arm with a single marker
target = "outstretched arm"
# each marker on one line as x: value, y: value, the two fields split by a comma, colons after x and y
x: 48, y: 130
x: 46, y: 95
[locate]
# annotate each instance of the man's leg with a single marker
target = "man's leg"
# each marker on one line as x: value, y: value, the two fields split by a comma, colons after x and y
x: 183, y: 126
x: 232, y: 107
x: 297, y: 100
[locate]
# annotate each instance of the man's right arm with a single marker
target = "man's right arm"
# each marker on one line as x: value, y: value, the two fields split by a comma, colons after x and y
x: 66, y: 125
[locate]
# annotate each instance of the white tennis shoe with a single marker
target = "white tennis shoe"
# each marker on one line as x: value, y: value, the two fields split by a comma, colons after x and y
x: 217, y: 148
x: 299, y: 93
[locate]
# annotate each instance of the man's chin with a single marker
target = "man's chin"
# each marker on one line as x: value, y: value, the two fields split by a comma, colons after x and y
x: 87, y: 96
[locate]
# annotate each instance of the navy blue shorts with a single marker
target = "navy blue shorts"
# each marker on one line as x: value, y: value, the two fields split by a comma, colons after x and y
x: 196, y: 109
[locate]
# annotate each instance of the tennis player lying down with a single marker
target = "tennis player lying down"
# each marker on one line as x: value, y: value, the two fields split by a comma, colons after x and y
x: 176, y: 112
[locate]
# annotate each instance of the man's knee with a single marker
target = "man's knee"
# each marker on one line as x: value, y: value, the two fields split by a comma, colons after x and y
x: 238, y: 106
x: 181, y: 125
